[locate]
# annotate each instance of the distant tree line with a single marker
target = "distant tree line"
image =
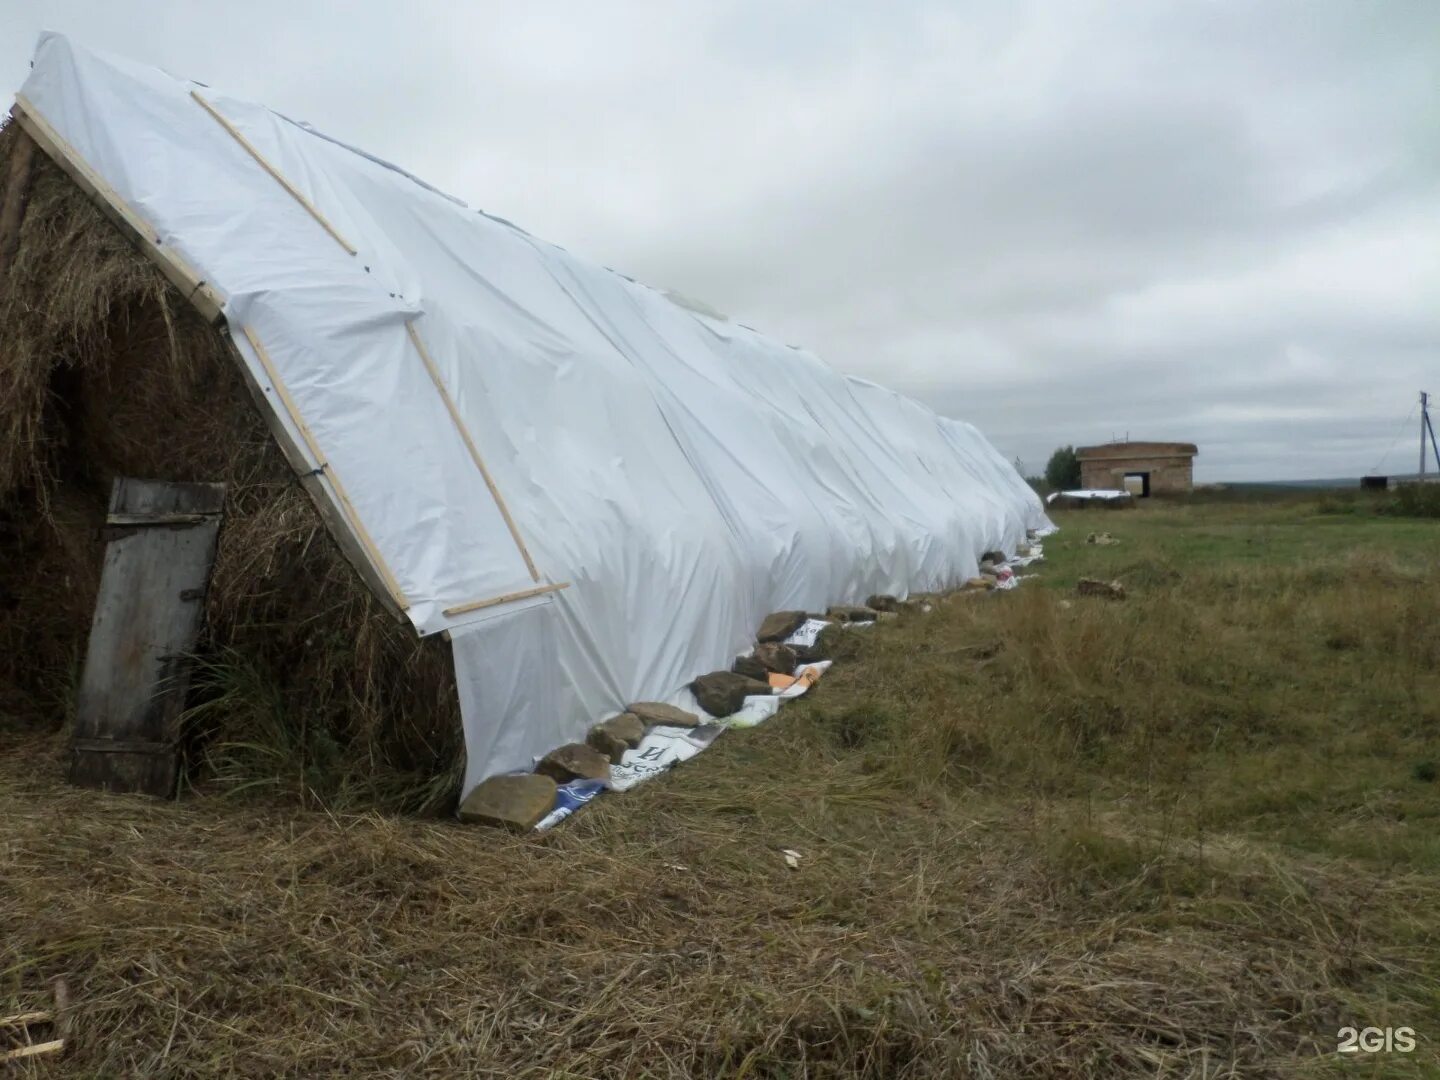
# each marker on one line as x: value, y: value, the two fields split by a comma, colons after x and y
x: 1062, y: 472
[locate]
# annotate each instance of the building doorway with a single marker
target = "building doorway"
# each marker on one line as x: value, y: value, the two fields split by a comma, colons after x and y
x: 1138, y: 484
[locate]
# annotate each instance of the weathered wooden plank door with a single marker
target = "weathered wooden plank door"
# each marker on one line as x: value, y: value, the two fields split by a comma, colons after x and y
x: 147, y: 617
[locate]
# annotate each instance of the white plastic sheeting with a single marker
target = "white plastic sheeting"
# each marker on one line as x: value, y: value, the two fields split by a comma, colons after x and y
x: 1102, y: 494
x: 683, y: 474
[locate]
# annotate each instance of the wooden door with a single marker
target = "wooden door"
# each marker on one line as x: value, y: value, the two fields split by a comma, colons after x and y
x: 161, y: 544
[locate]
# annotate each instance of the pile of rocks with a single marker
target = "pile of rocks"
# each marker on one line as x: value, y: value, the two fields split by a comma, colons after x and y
x: 520, y: 801
x: 991, y: 563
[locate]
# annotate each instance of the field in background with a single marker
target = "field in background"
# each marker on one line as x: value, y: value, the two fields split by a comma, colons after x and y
x: 1194, y: 832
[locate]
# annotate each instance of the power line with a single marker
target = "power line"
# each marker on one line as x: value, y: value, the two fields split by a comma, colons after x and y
x: 1395, y: 442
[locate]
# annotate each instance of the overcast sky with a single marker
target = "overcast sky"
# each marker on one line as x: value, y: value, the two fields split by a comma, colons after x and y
x: 1062, y: 221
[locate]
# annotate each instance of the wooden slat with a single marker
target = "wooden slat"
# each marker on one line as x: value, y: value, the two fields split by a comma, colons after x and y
x: 154, y: 519
x: 265, y: 164
x: 508, y: 598
x: 459, y: 423
x: 147, y: 619
x: 335, y: 522
x: 142, y: 501
x: 180, y: 274
x: 321, y: 462
x: 120, y: 746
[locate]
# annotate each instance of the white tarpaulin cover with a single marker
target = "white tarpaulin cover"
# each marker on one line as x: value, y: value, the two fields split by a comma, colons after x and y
x: 1089, y: 493
x: 683, y: 474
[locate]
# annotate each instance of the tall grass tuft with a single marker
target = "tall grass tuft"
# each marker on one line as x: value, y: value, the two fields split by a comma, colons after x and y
x: 1415, y: 500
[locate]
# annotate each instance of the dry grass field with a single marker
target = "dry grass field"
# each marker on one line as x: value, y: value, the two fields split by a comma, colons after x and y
x: 1190, y: 833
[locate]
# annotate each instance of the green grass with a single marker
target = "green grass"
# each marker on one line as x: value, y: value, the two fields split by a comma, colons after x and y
x: 1190, y: 833
x: 1280, y: 534
x: 1306, y: 658
x: 1246, y: 743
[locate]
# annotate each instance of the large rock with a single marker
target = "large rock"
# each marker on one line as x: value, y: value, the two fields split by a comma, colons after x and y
x: 883, y: 602
x: 510, y: 802
x: 608, y: 743
x: 1110, y: 590
x: 779, y: 625
x: 722, y: 693
x: 614, y: 736
x: 773, y: 656
x: 823, y: 648
x: 574, y: 761
x: 657, y: 712
x: 751, y: 668
x: 626, y: 726
x: 851, y: 613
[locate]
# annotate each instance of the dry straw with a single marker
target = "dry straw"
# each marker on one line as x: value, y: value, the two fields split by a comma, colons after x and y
x: 1014, y: 861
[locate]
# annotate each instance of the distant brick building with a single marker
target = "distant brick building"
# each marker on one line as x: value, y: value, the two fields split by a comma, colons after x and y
x: 1142, y: 468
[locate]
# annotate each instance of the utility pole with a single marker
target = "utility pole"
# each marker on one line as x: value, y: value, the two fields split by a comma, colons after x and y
x: 1427, y: 428
x: 1424, y: 430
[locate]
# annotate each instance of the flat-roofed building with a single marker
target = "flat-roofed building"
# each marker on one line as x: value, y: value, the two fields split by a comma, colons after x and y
x: 1141, y: 468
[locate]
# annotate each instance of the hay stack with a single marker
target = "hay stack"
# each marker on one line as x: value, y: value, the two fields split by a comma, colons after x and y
x: 306, y: 683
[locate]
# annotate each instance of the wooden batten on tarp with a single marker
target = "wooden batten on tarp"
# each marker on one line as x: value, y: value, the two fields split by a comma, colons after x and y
x: 508, y: 598
x: 139, y: 231
x: 459, y: 421
x: 279, y: 177
x: 322, y: 463
x: 161, y: 546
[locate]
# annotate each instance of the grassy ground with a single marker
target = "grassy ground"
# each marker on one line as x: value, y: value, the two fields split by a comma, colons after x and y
x: 1195, y: 832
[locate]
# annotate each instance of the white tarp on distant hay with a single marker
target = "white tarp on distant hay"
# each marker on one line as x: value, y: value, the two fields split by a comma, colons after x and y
x: 683, y: 474
x: 1102, y: 494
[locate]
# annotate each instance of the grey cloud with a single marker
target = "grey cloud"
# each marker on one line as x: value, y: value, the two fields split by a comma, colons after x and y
x: 1210, y: 220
